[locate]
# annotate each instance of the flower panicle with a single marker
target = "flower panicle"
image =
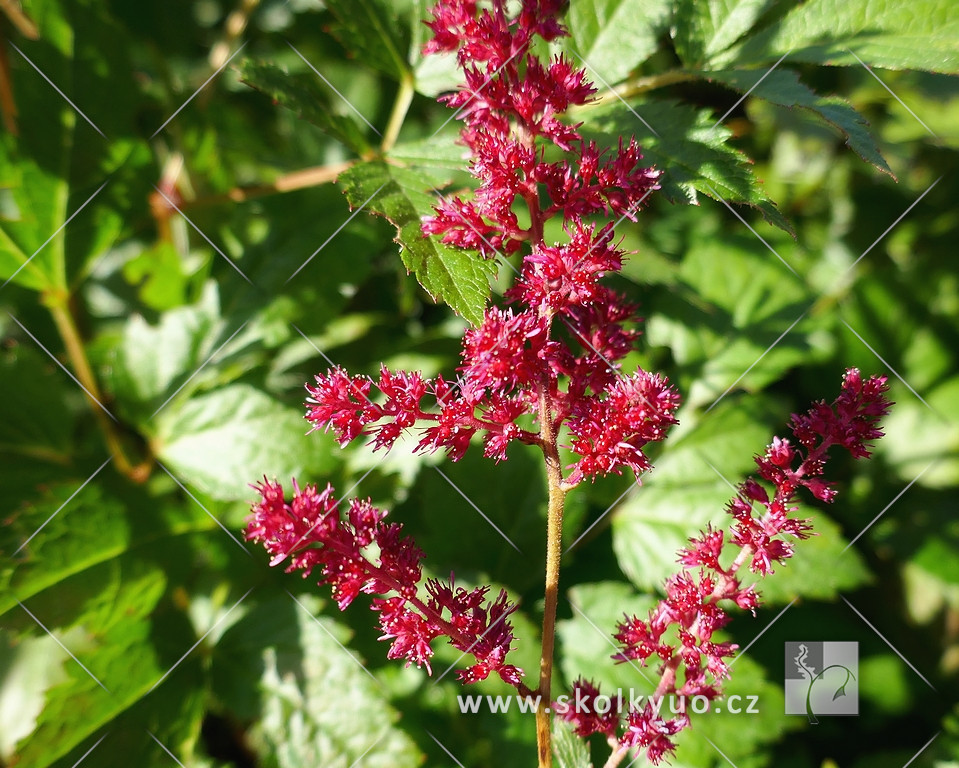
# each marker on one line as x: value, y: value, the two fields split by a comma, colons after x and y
x: 360, y: 552
x: 566, y: 333
x: 679, y: 630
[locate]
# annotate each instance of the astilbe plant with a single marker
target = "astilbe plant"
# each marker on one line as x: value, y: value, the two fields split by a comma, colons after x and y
x: 543, y: 370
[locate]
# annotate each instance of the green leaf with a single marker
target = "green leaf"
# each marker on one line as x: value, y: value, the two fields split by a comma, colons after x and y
x: 702, y: 28
x: 159, y: 273
x: 91, y: 528
x: 783, y: 87
x: 318, y: 705
x: 152, y: 361
x: 569, y: 749
x: 439, y: 516
x: 36, y: 420
x: 918, y: 35
x: 723, y: 322
x: 26, y: 675
x: 96, y: 576
x: 921, y: 440
x: 457, y: 277
x: 301, y: 93
x: 226, y: 439
x: 613, y: 37
x: 586, y: 637
x: 684, y: 493
x: 692, y: 151
x: 61, y: 167
x: 376, y: 32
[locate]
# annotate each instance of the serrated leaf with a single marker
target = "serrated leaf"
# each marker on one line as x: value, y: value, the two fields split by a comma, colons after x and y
x: 456, y: 277
x: 301, y: 93
x: 613, y: 37
x: 569, y: 749
x: 783, y: 87
x: 702, y: 28
x: 918, y: 35
x: 691, y: 150
x: 318, y: 706
x: 440, y: 152
x: 226, y: 439
x: 376, y: 32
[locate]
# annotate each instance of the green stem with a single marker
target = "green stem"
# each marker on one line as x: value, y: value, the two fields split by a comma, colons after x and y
x: 637, y: 86
x: 401, y: 105
x: 76, y: 352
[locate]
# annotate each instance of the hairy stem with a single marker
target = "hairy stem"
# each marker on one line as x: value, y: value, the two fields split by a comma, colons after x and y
x: 554, y: 551
x: 70, y: 334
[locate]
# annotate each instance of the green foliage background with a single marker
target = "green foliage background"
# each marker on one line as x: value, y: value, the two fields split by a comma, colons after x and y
x: 135, y: 626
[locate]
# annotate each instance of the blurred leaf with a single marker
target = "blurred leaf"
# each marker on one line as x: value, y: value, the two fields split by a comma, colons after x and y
x: 586, y: 638
x: 920, y: 439
x: 317, y: 703
x: 226, y: 439
x: 612, y: 37
x: 101, y: 615
x: 704, y: 28
x: 460, y: 497
x: 26, y: 674
x: 301, y: 93
x: 96, y: 577
x: 569, y: 749
x: 684, y: 493
x: 724, y: 324
x: 151, y: 362
x: 921, y: 35
x: 90, y: 530
x: 36, y: 420
x: 692, y: 151
x: 46, y: 177
x: 376, y: 32
x: 159, y: 273
x: 783, y: 87
x: 457, y: 277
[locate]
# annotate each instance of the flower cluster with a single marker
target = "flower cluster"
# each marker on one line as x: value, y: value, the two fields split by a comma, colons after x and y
x: 544, y: 369
x: 679, y: 630
x: 509, y: 100
x: 566, y: 326
x: 550, y: 360
x: 361, y: 553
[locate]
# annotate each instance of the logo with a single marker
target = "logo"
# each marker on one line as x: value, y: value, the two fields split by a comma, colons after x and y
x: 822, y: 679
